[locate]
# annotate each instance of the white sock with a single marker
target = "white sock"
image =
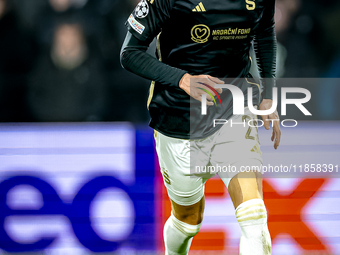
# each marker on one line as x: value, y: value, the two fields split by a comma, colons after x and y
x: 178, y: 236
x: 252, y: 218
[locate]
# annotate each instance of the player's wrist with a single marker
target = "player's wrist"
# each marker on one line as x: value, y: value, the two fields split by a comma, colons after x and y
x: 266, y: 104
x: 183, y: 80
x: 267, y: 100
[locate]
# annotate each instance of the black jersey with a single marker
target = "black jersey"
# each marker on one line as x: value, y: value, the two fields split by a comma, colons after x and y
x: 200, y: 37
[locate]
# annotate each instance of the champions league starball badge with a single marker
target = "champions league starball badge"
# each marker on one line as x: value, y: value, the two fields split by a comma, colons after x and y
x: 142, y: 9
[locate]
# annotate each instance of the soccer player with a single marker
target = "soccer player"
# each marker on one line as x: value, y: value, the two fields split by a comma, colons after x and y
x: 200, y: 44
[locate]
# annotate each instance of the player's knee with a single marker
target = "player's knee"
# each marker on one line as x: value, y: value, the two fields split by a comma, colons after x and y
x: 187, y: 229
x: 189, y: 217
x: 192, y: 214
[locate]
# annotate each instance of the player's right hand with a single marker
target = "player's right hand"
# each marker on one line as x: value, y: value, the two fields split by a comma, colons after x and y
x: 191, y: 84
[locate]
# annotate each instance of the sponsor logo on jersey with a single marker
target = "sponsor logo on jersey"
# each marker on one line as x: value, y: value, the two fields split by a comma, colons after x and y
x: 199, y: 8
x: 142, y: 9
x: 136, y: 25
x: 200, y: 33
x: 230, y: 33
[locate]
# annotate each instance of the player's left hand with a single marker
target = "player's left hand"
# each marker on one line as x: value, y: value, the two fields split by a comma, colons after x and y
x: 274, y: 119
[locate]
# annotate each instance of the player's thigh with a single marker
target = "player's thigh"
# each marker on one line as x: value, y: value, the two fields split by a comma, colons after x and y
x: 237, y: 152
x: 185, y: 190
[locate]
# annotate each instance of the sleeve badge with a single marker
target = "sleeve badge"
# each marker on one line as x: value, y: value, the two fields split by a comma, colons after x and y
x: 142, y: 9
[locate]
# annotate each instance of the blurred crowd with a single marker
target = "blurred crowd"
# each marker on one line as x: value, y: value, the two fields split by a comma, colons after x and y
x: 59, y: 59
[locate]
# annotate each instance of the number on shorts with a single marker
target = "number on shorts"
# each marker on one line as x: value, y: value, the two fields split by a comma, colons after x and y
x: 165, y: 176
x: 247, y: 118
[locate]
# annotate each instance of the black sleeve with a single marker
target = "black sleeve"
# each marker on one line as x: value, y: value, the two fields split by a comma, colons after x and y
x: 144, y: 24
x: 265, y: 49
x: 134, y: 58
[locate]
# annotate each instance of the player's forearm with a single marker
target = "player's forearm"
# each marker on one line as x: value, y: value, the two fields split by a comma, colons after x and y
x: 135, y: 59
x: 265, y: 49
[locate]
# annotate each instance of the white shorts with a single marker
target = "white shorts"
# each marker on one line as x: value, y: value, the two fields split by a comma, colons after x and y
x: 187, y: 164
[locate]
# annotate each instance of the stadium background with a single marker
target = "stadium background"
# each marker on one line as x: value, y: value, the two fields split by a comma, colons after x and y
x: 78, y: 171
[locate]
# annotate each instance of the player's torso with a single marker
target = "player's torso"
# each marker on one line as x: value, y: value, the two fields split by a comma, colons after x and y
x: 203, y: 37
x: 207, y: 35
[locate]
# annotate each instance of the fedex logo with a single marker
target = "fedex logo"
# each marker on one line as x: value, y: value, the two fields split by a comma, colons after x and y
x: 77, y: 212
x: 74, y: 189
